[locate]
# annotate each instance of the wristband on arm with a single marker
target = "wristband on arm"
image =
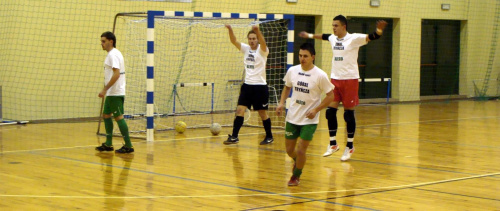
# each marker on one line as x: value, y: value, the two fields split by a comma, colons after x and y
x: 374, y: 35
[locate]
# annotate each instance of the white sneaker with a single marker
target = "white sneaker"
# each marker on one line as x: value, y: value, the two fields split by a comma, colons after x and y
x: 347, y: 154
x: 331, y: 149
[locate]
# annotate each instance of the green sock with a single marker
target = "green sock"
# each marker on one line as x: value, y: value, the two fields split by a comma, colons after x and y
x: 108, y: 124
x: 297, y: 172
x: 124, y: 130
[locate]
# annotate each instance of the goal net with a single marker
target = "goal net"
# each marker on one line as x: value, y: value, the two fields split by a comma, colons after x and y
x: 197, y: 71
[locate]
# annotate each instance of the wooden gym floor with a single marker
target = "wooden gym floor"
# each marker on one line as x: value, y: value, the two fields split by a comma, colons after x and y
x: 429, y: 156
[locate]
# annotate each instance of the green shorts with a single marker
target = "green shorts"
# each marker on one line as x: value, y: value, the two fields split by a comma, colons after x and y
x: 114, y: 105
x: 305, y: 132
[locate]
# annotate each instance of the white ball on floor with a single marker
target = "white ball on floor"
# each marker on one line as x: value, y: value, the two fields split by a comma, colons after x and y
x: 215, y: 129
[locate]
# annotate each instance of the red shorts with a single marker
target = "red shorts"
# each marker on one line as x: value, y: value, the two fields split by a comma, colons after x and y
x: 346, y: 91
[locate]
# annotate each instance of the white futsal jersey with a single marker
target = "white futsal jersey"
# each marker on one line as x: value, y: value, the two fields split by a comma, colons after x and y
x: 307, y: 87
x: 345, y: 55
x: 255, y: 64
x: 115, y: 60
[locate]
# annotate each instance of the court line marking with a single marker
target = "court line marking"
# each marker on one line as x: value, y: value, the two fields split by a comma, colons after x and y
x: 456, y: 194
x: 429, y: 141
x: 180, y: 178
x: 254, y: 195
x: 243, y: 146
x: 256, y: 133
x: 249, y: 147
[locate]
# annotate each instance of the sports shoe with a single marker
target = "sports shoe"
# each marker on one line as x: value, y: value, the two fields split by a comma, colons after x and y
x: 347, y: 154
x: 104, y: 147
x: 294, y: 181
x: 125, y: 149
x: 231, y: 140
x: 267, y: 140
x: 331, y: 149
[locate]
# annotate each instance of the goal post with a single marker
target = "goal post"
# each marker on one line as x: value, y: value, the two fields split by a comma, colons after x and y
x: 181, y: 66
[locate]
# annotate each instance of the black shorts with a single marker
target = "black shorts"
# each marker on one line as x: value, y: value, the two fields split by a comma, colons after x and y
x: 254, y: 95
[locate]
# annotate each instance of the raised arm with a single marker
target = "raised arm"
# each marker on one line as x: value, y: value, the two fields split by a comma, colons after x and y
x: 306, y: 35
x: 284, y: 94
x: 381, y: 24
x: 232, y: 37
x: 260, y: 37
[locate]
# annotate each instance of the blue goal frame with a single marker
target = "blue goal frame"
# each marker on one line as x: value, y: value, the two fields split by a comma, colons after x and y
x: 150, y: 48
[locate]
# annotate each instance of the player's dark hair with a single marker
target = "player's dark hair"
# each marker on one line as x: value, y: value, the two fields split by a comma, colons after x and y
x: 110, y: 36
x: 308, y: 47
x: 251, y: 32
x: 342, y: 20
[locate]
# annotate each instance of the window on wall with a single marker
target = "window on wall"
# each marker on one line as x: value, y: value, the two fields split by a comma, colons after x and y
x: 302, y: 23
x: 440, y: 54
x: 374, y: 59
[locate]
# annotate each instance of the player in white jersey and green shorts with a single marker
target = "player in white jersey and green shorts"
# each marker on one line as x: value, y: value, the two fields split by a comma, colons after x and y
x: 308, y: 82
x: 344, y: 76
x: 254, y: 91
x: 114, y: 93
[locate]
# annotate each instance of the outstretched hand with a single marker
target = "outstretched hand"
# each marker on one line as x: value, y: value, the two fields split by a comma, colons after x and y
x: 228, y: 26
x: 381, y: 24
x: 303, y: 34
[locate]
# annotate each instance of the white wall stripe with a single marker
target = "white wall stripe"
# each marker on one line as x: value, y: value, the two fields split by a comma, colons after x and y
x: 188, y: 14
x: 208, y: 14
x: 244, y: 15
x: 291, y: 36
x: 289, y: 58
x: 373, y: 80
x: 150, y: 34
x: 169, y: 13
x: 150, y: 60
x: 150, y: 135
x: 150, y: 85
x: 150, y: 109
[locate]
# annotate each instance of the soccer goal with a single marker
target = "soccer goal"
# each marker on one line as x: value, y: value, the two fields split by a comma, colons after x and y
x: 181, y: 66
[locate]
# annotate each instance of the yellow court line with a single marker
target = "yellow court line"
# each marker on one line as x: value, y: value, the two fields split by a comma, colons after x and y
x: 255, y: 195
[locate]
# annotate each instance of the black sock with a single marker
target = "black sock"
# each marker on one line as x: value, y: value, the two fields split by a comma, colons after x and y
x: 238, y: 122
x: 331, y: 116
x: 267, y: 127
x: 351, y: 126
x: 350, y: 121
x: 333, y: 142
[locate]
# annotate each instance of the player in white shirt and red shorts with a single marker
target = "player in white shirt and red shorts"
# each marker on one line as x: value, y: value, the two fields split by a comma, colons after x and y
x: 254, y: 91
x: 344, y: 76
x: 308, y: 82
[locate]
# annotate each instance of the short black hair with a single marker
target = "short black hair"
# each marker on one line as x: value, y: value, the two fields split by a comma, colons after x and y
x: 309, y: 47
x: 110, y: 36
x: 342, y: 20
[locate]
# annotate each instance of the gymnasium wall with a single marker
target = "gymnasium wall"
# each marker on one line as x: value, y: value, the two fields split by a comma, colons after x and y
x: 51, y: 58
